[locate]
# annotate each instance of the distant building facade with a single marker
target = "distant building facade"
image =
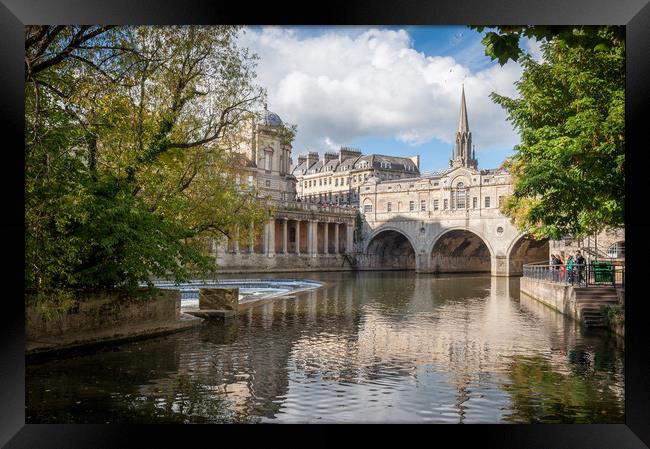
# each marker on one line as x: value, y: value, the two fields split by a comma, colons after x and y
x: 267, y: 156
x: 337, y: 177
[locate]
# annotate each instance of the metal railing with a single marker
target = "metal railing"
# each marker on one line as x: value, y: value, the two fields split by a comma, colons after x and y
x: 585, y: 275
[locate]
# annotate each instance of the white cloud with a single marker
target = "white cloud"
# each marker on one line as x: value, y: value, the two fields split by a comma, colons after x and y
x: 338, y: 87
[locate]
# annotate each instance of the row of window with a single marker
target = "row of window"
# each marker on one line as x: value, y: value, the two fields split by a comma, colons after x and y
x: 328, y: 181
x: 445, y: 205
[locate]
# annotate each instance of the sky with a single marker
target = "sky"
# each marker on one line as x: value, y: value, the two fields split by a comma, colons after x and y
x: 386, y: 90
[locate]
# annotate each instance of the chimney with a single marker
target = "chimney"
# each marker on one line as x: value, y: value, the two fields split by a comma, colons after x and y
x: 329, y: 156
x: 301, y: 158
x: 347, y: 152
x: 312, y: 158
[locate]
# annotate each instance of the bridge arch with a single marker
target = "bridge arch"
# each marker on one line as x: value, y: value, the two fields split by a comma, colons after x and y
x: 461, y: 250
x: 525, y: 249
x: 390, y: 248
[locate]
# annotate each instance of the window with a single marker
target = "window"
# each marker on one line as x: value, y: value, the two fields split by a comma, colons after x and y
x: 500, y: 200
x: 474, y: 201
x: 347, y: 181
x: 411, y: 186
x: 336, y: 182
x: 411, y: 206
x: 435, y: 184
x: 354, y: 178
x: 367, y: 207
x: 461, y: 194
x: 389, y: 207
x: 487, y: 201
x: 435, y: 204
x: 320, y: 182
x: 445, y: 204
x: 423, y: 205
x: 268, y: 183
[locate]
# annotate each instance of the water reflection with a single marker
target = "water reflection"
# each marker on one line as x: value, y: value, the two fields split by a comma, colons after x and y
x: 368, y: 347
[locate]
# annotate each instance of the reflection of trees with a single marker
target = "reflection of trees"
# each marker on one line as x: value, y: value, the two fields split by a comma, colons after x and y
x: 540, y: 394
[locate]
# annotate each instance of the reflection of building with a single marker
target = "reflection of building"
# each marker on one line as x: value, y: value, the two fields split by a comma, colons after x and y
x: 337, y: 178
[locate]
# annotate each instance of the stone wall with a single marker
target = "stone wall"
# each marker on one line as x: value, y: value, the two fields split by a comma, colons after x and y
x: 102, y: 312
x: 557, y: 296
x: 238, y: 263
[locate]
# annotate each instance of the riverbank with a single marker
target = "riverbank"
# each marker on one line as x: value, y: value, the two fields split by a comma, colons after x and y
x: 104, y: 317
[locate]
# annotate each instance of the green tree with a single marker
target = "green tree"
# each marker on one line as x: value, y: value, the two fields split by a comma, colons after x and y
x: 568, y: 171
x: 131, y: 161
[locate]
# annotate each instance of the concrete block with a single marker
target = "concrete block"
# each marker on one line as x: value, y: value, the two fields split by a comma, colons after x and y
x: 219, y: 299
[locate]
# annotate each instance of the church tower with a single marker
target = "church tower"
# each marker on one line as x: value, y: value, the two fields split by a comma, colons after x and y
x: 463, y: 155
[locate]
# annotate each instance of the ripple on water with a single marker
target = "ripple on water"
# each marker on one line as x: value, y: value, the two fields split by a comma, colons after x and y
x: 365, y: 348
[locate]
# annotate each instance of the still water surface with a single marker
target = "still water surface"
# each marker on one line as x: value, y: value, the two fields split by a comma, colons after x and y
x: 368, y: 347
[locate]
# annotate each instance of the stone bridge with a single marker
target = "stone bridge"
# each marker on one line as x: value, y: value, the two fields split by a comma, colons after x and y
x: 458, y: 241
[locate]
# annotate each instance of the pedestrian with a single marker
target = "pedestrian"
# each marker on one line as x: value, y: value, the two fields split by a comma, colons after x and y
x: 580, y: 262
x: 569, y: 269
x: 560, y: 263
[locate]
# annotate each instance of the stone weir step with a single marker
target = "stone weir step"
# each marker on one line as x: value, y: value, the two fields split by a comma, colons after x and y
x: 590, y: 302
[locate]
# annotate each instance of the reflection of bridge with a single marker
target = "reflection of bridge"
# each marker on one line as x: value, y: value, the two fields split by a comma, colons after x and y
x: 444, y: 223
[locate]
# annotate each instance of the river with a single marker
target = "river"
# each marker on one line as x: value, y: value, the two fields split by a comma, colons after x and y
x: 368, y: 347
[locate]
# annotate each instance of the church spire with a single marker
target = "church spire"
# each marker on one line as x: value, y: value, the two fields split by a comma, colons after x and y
x: 464, y: 154
x: 463, y: 126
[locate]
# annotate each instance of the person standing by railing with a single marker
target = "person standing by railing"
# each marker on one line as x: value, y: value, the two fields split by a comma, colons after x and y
x: 561, y: 267
x: 580, y: 262
x: 569, y: 269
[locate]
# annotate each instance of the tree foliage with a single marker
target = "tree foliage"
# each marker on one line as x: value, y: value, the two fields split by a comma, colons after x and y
x: 128, y: 146
x: 568, y: 172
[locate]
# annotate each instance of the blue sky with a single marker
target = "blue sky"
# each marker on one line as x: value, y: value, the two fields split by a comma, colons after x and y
x: 389, y: 90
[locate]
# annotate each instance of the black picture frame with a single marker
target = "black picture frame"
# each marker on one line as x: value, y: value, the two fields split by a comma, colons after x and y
x: 635, y: 14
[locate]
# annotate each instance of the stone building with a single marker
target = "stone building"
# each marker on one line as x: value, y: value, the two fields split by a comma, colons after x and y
x: 267, y: 155
x: 446, y: 221
x: 300, y: 236
x: 337, y: 177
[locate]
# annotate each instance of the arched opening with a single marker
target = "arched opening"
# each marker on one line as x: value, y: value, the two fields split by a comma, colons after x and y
x: 527, y: 250
x: 617, y: 250
x: 460, y: 251
x: 391, y: 250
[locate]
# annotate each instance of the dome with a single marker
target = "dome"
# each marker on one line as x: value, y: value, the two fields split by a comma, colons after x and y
x: 271, y: 118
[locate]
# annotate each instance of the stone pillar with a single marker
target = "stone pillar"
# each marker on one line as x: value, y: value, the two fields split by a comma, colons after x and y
x: 336, y: 238
x: 235, y: 243
x: 251, y: 243
x: 350, y: 239
x: 285, y: 225
x: 265, y: 239
x: 326, y: 245
x: 270, y: 249
x: 298, y: 237
x: 312, y: 238
x: 499, y: 266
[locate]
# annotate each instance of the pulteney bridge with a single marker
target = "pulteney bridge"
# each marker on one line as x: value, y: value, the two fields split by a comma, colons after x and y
x: 448, y: 222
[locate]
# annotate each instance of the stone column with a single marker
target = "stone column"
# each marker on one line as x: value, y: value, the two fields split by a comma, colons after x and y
x: 326, y: 248
x: 298, y: 237
x: 285, y: 225
x: 350, y: 239
x: 265, y: 239
x: 251, y: 243
x: 235, y: 243
x: 312, y: 237
x: 499, y: 265
x: 270, y: 250
x: 336, y: 238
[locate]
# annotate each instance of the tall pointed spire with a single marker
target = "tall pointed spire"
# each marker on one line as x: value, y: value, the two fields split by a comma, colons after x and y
x: 463, y: 126
x: 464, y: 154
